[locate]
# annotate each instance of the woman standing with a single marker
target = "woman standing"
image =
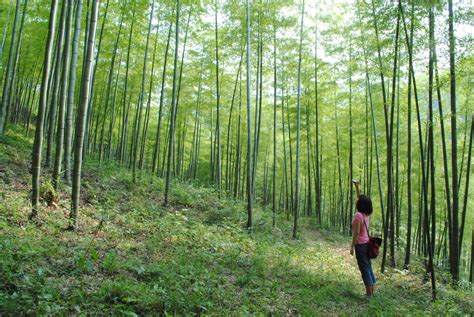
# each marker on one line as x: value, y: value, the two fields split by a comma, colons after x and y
x: 360, y: 239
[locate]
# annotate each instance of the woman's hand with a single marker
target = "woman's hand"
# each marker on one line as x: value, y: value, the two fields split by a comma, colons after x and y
x: 352, y: 250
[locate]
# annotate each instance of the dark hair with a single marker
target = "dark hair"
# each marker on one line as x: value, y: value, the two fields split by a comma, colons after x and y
x: 364, y: 205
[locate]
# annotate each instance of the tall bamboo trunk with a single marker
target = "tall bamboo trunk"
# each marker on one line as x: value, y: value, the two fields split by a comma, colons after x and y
x: 351, y: 156
x: 108, y: 89
x: 55, y: 104
x: 4, y: 36
x: 228, y: 178
x: 92, y: 98
x: 409, y: 43
x: 173, y: 108
x: 317, y: 178
x: 63, y: 96
x: 38, y: 143
x: 71, y: 93
x: 110, y: 137
x: 148, y: 108
x: 81, y: 116
x: 156, y: 151
x: 285, y: 162
x: 431, y: 161
x: 123, y: 134
x: 274, y: 126
x: 142, y: 96
x: 454, y: 154
x: 7, y: 81
x: 466, y: 189
x: 218, y: 125
x: 297, y: 173
x: 249, y: 127
x: 16, y: 66
x: 374, y: 125
x: 238, y: 160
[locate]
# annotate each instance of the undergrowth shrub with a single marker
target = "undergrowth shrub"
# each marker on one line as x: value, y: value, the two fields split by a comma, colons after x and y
x: 48, y: 194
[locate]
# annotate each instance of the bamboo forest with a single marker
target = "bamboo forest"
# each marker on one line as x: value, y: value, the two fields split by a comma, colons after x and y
x: 222, y: 157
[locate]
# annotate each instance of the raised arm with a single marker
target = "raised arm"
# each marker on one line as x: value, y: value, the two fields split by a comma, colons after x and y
x: 357, y: 186
x: 356, y: 224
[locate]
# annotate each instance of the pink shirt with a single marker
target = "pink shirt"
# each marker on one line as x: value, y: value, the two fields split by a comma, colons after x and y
x: 363, y: 236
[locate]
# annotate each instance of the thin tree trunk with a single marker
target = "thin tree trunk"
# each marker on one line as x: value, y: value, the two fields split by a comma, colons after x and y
x: 309, y: 198
x: 292, y: 191
x: 471, y: 273
x: 340, y: 216
x: 112, y: 112
x: 123, y: 134
x: 454, y: 154
x: 318, y: 181
x: 351, y: 158
x: 274, y: 124
x: 156, y: 152
x: 374, y: 126
x: 7, y: 82
x: 284, y: 153
x: 37, y: 146
x: 218, y: 125
x: 249, y: 129
x: 56, y: 84
x: 382, y: 78
x: 63, y: 97
x: 142, y: 96
x: 409, y: 41
x: 108, y: 89
x: 229, y: 123
x: 239, y: 144
x: 81, y: 119
x: 466, y: 190
x: 33, y: 102
x: 5, y: 29
x: 297, y: 176
x: 176, y: 149
x: 92, y: 99
x: 257, y: 93
x: 431, y: 161
x: 147, y: 114
x: 173, y: 107
x: 71, y: 93
x: 10, y: 96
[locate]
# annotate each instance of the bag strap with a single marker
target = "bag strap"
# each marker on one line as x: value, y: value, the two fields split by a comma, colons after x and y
x: 363, y: 219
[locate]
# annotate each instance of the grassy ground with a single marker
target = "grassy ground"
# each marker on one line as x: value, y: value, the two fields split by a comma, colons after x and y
x: 191, y: 258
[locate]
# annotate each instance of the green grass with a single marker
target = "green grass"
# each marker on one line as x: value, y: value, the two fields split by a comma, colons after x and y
x: 194, y: 257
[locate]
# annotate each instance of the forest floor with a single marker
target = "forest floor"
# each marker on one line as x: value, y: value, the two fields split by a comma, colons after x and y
x: 193, y: 257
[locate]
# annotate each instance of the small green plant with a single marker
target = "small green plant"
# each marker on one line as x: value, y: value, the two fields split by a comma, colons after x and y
x: 48, y: 194
x: 85, y: 262
x: 110, y: 262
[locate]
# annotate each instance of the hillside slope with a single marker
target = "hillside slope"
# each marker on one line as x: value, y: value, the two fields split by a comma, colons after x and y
x: 132, y: 256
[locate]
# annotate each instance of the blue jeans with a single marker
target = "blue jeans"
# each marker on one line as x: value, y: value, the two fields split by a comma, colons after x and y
x: 365, y: 267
